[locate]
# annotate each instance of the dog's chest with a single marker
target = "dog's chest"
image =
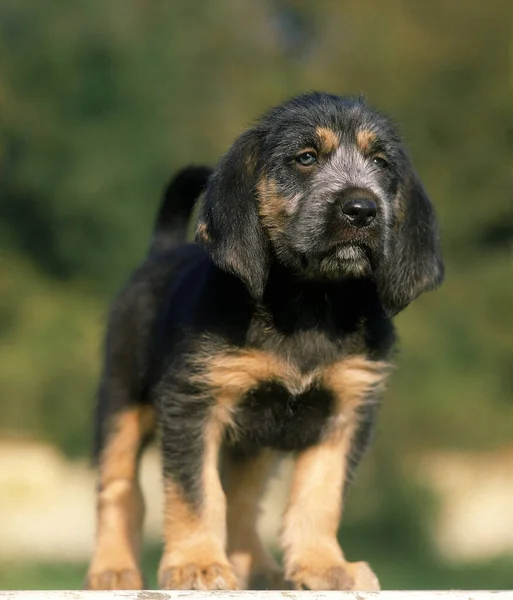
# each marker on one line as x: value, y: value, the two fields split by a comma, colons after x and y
x: 271, y: 402
x: 274, y: 416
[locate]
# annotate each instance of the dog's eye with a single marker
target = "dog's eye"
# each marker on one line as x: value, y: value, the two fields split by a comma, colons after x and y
x: 380, y: 162
x: 307, y: 159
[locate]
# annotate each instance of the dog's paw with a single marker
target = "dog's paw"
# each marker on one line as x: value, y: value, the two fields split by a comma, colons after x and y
x: 114, y: 579
x: 309, y: 577
x: 365, y: 580
x: 214, y: 576
x: 340, y: 576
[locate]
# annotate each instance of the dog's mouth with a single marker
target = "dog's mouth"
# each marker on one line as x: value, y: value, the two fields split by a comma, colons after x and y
x: 340, y: 260
x: 351, y: 252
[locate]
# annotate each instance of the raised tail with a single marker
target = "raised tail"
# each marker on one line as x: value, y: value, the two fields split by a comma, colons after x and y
x: 177, y: 205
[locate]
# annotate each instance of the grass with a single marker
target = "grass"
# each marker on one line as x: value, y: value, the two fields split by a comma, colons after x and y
x: 396, y: 570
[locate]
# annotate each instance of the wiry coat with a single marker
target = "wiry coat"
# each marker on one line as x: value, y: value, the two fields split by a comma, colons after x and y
x: 270, y: 334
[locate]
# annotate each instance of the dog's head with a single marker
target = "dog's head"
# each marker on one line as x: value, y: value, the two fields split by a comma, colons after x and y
x: 324, y: 186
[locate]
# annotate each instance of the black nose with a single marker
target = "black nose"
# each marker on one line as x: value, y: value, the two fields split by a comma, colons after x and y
x: 359, y: 211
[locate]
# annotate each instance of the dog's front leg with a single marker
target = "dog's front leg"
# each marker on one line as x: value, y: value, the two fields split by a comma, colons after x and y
x: 195, y: 506
x: 313, y: 557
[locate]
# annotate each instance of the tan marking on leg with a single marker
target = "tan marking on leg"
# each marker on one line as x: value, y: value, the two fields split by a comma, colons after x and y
x: 328, y: 140
x: 313, y: 557
x: 245, y: 486
x: 364, y: 140
x: 309, y: 534
x: 120, y: 504
x: 195, y: 538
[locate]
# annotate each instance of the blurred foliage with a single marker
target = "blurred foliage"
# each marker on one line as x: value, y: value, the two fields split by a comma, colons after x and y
x: 101, y: 101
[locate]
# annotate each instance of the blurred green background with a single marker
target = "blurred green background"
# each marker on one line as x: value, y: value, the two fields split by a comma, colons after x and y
x: 101, y: 101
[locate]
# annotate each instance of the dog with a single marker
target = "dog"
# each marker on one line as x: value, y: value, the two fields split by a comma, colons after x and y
x: 270, y: 335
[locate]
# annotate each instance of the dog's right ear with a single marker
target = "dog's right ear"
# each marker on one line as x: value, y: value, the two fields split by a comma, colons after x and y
x: 228, y: 221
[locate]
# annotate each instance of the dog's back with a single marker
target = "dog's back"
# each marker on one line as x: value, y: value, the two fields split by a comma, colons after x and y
x: 131, y: 327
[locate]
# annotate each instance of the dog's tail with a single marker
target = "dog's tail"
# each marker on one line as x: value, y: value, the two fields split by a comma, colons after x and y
x: 176, y: 207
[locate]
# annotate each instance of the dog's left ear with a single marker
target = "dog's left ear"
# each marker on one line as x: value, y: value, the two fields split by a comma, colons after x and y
x: 414, y: 262
x: 228, y: 221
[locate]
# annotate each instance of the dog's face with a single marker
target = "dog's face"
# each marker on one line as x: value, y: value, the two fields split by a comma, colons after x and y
x: 329, y: 187
x: 324, y: 186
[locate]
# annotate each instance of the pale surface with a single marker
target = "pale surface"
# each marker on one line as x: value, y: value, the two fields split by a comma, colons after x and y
x: 268, y: 595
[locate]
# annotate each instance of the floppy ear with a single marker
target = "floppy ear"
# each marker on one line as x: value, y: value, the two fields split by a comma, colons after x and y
x: 228, y: 222
x: 414, y: 263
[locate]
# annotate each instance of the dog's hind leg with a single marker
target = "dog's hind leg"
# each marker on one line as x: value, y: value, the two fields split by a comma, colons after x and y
x: 245, y: 481
x: 122, y: 432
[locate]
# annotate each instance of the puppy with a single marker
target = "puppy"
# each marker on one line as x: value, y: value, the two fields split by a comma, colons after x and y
x: 270, y: 335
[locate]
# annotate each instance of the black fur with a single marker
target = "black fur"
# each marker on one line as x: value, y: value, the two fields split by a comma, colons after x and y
x: 229, y: 217
x: 271, y: 417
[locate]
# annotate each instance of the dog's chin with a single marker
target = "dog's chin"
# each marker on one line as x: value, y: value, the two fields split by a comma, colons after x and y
x: 341, y: 262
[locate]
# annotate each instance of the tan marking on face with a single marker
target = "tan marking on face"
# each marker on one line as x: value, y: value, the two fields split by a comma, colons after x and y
x: 202, y: 232
x: 364, y: 140
x: 401, y: 199
x: 245, y: 485
x: 272, y: 207
x: 120, y: 503
x: 328, y: 140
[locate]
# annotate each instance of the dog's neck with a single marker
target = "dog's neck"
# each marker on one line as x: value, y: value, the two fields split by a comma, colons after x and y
x: 314, y: 323
x: 287, y: 290
x: 291, y: 301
